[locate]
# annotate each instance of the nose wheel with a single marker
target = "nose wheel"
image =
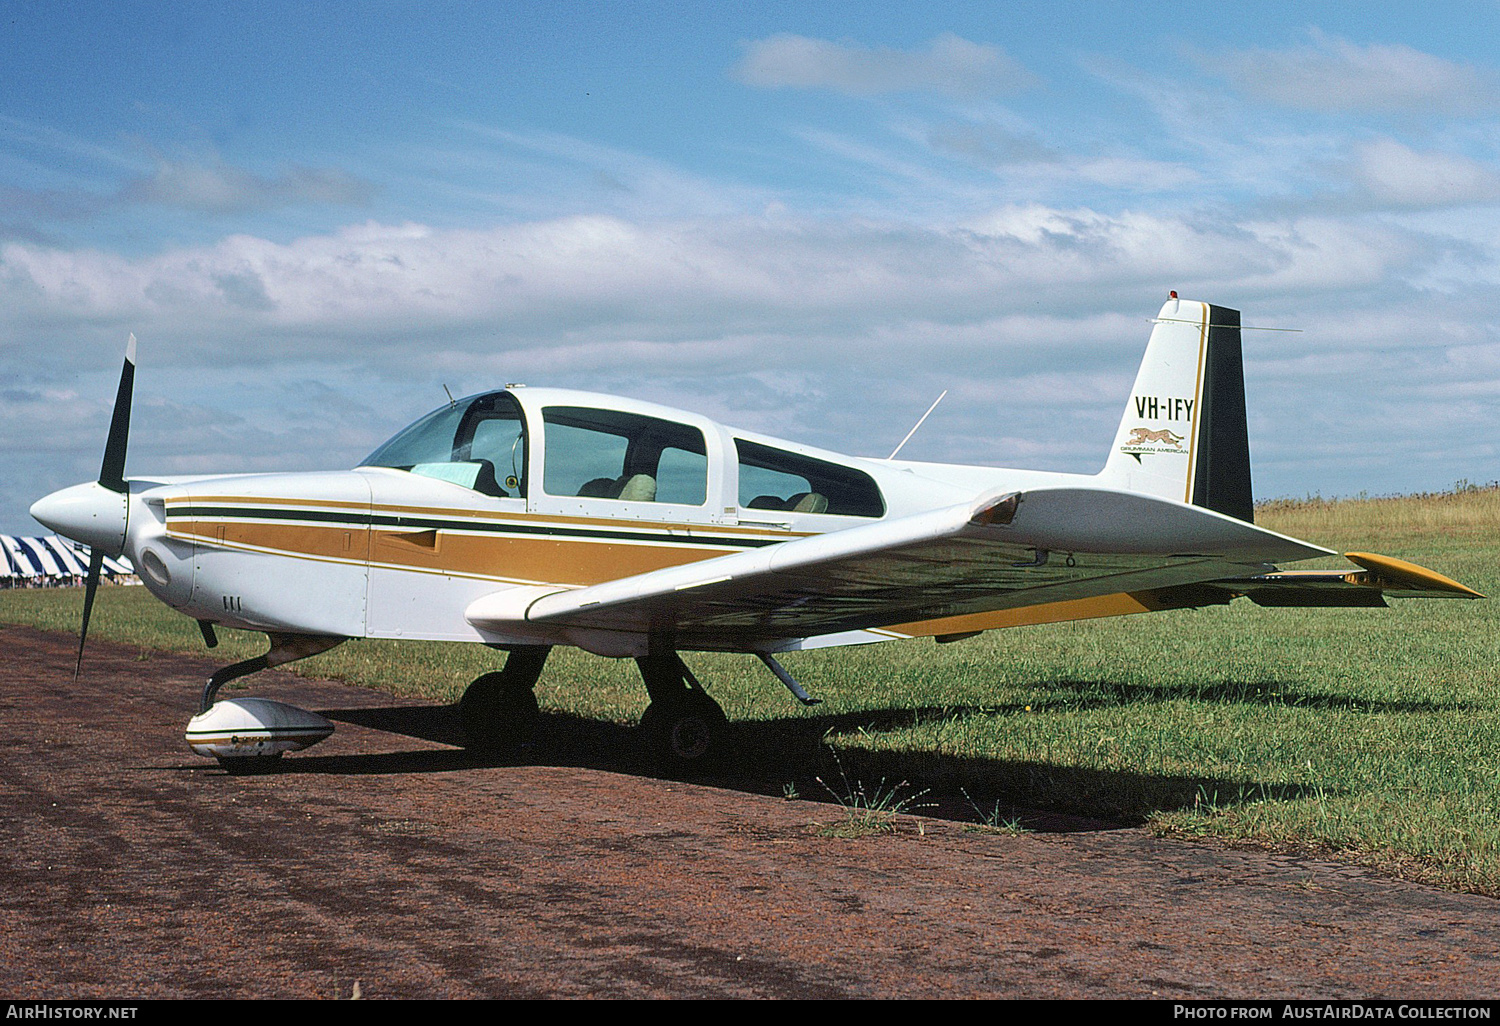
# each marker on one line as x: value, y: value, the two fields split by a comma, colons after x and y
x: 683, y: 727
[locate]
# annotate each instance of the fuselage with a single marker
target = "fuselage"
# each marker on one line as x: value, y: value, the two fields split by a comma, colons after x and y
x: 518, y: 487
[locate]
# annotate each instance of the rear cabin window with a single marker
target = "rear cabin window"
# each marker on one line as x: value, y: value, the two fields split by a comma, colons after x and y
x: 607, y: 454
x: 779, y: 480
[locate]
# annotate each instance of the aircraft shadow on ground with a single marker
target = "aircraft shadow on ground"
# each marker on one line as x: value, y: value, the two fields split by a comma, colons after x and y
x: 791, y: 757
x: 1095, y: 694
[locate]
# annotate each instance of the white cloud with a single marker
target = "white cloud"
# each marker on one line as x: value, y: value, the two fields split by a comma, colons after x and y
x: 605, y: 279
x: 1391, y: 173
x: 1332, y: 74
x: 602, y: 179
x: 1020, y: 157
x: 220, y: 188
x: 92, y: 178
x: 828, y: 330
x: 948, y: 64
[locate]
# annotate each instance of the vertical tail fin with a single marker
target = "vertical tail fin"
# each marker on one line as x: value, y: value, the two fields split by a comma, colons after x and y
x: 1184, y: 435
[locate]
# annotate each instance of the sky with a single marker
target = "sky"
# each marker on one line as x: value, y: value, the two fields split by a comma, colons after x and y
x: 805, y: 219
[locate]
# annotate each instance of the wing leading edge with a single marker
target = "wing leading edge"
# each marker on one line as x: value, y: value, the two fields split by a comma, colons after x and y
x: 1002, y: 551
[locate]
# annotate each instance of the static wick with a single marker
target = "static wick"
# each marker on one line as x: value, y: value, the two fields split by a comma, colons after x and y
x: 917, y: 425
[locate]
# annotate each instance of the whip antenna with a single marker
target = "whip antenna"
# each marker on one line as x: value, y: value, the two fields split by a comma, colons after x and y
x: 917, y: 425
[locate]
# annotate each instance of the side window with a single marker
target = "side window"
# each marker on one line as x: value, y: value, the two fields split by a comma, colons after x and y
x: 776, y: 479
x: 607, y: 454
x: 581, y: 459
x: 769, y: 488
x: 682, y: 476
x: 500, y: 442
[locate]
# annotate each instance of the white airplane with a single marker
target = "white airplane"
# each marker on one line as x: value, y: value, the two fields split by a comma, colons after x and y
x: 526, y: 518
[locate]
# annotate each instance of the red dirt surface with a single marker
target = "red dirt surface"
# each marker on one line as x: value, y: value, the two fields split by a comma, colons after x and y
x: 386, y: 858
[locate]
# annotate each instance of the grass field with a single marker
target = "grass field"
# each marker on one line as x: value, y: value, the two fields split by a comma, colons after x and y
x: 1370, y: 734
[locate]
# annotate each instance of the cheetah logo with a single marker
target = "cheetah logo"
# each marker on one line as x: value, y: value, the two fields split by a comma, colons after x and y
x: 1145, y: 436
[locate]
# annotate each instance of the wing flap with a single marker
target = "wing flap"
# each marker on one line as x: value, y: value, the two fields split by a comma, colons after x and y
x: 1002, y: 551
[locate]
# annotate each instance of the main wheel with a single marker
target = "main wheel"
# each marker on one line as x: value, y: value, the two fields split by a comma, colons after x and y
x: 685, y: 731
x: 498, y: 714
x: 499, y: 710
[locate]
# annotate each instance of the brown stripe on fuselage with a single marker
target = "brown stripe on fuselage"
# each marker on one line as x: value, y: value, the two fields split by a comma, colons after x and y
x: 320, y: 541
x: 573, y: 561
x: 570, y: 561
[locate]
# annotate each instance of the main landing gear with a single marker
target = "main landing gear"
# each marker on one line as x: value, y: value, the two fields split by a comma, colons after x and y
x: 683, y: 726
x: 499, y: 710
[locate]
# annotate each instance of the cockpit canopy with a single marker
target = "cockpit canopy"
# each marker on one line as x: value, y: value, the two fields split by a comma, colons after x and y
x: 599, y: 452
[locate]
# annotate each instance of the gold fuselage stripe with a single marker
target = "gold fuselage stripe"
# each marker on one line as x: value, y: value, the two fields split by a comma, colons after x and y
x: 473, y: 544
x: 502, y: 558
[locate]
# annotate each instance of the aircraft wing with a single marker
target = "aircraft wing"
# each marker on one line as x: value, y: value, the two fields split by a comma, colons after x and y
x: 1003, y: 551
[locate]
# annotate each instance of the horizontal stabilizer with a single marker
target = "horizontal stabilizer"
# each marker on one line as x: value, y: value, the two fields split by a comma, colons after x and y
x: 1400, y: 579
x: 1383, y: 577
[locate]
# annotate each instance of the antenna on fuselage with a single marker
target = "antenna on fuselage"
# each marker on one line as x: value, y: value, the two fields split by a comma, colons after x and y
x: 451, y: 401
x: 917, y: 425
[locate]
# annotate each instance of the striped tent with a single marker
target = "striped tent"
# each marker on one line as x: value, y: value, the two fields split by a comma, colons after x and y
x: 53, y: 558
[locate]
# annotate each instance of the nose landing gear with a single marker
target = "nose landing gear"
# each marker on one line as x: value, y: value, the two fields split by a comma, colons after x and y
x: 249, y: 735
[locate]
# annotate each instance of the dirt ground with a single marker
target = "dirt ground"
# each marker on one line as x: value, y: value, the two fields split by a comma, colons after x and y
x: 388, y: 859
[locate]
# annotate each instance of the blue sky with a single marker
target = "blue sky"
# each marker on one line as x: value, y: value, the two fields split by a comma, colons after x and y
x: 806, y: 219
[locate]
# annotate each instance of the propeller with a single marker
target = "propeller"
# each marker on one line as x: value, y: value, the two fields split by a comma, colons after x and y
x: 112, y: 478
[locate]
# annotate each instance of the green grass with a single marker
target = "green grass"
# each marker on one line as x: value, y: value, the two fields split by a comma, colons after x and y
x: 1373, y: 735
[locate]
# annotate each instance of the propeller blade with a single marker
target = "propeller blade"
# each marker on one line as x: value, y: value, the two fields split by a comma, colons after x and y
x: 111, y: 476
x: 96, y: 564
x: 112, y: 472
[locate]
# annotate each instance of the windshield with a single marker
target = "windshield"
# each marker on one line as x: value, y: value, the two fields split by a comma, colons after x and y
x: 478, y: 442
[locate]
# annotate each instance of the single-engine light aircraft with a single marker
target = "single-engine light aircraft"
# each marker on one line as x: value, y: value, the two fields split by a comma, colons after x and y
x: 526, y: 518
